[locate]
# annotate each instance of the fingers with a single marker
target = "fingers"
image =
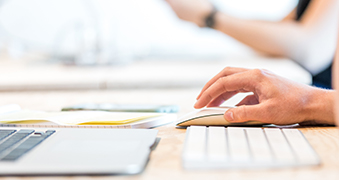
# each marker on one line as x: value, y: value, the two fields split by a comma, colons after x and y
x: 222, y: 98
x: 225, y: 72
x: 248, y: 100
x: 245, y: 113
x: 244, y: 81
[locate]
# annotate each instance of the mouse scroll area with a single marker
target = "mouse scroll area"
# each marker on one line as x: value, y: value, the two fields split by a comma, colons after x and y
x: 210, y: 117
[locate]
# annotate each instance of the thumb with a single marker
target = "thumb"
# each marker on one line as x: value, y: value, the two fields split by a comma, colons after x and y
x: 244, y: 113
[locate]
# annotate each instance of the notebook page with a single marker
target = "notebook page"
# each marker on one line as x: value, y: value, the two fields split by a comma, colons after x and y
x: 75, y: 118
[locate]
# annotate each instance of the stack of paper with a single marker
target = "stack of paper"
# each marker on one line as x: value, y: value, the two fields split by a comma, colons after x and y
x: 87, y: 118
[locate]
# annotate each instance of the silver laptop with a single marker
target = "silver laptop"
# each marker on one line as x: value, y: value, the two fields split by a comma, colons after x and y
x: 234, y: 147
x: 53, y: 151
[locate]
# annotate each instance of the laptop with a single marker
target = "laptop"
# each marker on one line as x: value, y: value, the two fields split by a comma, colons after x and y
x: 216, y: 147
x: 69, y: 151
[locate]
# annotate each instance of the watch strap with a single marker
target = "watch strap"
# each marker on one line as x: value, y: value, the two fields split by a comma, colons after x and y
x: 210, y: 19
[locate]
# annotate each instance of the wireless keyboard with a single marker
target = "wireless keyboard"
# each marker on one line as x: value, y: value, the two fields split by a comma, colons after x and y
x: 234, y: 147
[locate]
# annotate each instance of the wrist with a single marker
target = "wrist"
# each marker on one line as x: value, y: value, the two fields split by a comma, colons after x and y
x: 319, y: 107
x: 224, y: 22
x: 210, y: 19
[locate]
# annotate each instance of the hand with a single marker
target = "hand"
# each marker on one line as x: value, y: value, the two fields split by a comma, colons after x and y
x: 275, y: 100
x: 192, y: 10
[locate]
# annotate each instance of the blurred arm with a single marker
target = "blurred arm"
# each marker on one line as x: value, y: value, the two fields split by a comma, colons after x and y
x: 291, y: 16
x: 311, y: 41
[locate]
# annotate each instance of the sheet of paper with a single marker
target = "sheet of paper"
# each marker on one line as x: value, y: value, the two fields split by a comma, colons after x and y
x: 75, y: 117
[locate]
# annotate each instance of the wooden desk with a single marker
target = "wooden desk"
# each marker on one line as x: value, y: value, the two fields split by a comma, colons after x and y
x: 27, y: 74
x: 165, y: 161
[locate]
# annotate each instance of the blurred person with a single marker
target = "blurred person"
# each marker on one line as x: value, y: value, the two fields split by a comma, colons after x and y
x: 306, y: 35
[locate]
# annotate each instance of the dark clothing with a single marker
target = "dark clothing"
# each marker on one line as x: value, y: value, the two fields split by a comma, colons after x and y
x: 324, y: 78
x: 302, y: 5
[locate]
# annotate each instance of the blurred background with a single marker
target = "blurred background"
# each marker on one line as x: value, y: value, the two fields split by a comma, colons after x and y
x: 102, y: 32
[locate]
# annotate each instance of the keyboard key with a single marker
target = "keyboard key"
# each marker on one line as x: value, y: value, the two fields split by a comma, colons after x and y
x: 281, y: 149
x: 304, y: 152
x: 49, y: 132
x: 234, y: 147
x: 216, y: 144
x: 259, y: 147
x: 14, y: 139
x: 238, y: 146
x: 6, y: 133
x: 26, y: 146
x: 26, y: 131
x: 23, y: 148
x: 196, y: 145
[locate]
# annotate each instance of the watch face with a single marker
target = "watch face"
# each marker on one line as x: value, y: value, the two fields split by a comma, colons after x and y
x: 209, y: 21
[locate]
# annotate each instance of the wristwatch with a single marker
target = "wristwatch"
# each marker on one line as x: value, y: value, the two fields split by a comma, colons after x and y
x: 210, y: 19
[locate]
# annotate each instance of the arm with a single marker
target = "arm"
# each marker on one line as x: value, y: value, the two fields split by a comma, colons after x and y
x: 275, y: 99
x: 291, y: 16
x: 302, y: 41
x: 335, y: 83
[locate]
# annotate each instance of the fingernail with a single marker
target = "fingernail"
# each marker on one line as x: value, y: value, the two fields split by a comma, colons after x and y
x: 229, y: 116
x: 195, y: 105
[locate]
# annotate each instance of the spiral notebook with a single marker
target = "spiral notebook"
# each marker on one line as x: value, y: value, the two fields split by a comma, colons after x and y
x: 13, y: 116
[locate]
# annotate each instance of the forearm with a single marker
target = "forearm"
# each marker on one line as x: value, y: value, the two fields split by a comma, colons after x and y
x: 319, y: 109
x: 275, y: 38
x: 303, y: 41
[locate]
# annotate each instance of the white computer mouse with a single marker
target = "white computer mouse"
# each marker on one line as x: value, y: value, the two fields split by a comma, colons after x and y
x: 212, y: 116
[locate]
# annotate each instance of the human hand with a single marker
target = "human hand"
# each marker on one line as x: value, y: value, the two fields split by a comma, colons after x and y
x: 275, y: 99
x: 192, y: 10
